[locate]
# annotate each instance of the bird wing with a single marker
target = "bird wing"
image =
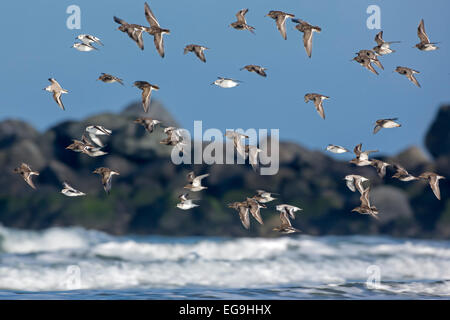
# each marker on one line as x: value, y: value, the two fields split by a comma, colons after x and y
x: 57, y: 98
x: 319, y: 107
x: 199, y: 52
x: 413, y: 79
x: 150, y: 16
x: 119, y: 21
x: 95, y: 139
x: 307, y: 41
x: 285, y: 219
x: 379, y: 38
x: 253, y: 157
x: 421, y: 33
x: 27, y: 177
x: 376, y: 129
x: 197, y: 181
x: 281, y: 25
x: 245, y: 217
x: 351, y: 184
x: 146, y: 95
x: 434, y: 184
x: 159, y: 44
x: 106, y: 181
x: 241, y: 16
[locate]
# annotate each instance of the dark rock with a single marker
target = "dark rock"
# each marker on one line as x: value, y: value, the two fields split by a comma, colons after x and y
x: 437, y: 139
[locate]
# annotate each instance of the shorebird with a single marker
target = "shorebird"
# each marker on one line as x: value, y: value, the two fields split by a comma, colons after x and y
x: 237, y: 141
x: 226, y: 82
x: 134, y: 31
x: 365, y: 207
x: 86, y: 147
x: 383, y: 47
x: 385, y: 123
x: 174, y: 138
x: 256, y: 69
x: 288, y: 209
x: 402, y: 174
x: 106, y: 174
x: 285, y: 226
x: 57, y: 91
x: 148, y: 123
x: 186, y: 203
x: 95, y: 131
x: 318, y: 102
x: 362, y: 157
x: 27, y: 174
x: 155, y: 30
x: 280, y: 18
x: 336, y: 149
x: 254, y: 207
x: 308, y: 31
x: 433, y: 180
x: 263, y: 196
x: 380, y: 166
x: 88, y: 39
x: 146, y: 92
x: 372, y: 56
x: 242, y: 208
x: 424, y: 44
x: 76, y: 145
x: 107, y: 78
x: 80, y: 46
x: 195, y: 182
x: 70, y: 191
x: 409, y: 73
x: 252, y: 153
x: 241, y: 23
x: 366, y: 63
x: 355, y: 182
x: 198, y: 50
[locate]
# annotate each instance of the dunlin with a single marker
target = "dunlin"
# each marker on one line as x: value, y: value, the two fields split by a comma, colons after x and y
x: 383, y: 47
x: 336, y: 149
x: 70, y: 191
x: 280, y: 18
x: 385, y: 123
x: 107, y: 78
x: 106, y: 174
x: 155, y: 30
x: 256, y: 69
x: 195, y: 182
x: 241, y: 23
x: 409, y: 73
x: 318, y: 102
x: 308, y: 31
x: 148, y: 123
x: 146, y: 92
x: 226, y: 82
x: 27, y: 174
x: 197, y: 49
x: 433, y: 180
x: 424, y: 44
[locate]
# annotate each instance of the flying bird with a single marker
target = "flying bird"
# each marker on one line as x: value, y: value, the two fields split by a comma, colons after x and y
x: 243, y: 209
x: 256, y: 69
x: 88, y: 39
x: 70, y: 191
x: 362, y: 157
x: 195, y: 182
x: 83, y: 47
x: 308, y: 31
x: 254, y: 207
x: 95, y: 131
x: 155, y: 30
x: 385, y: 123
x: 433, y: 180
x: 263, y: 196
x: 366, y: 63
x: 424, y: 44
x: 383, y: 47
x: 186, y: 203
x: 148, y: 123
x: 146, y: 92
x: 409, y: 73
x: 106, y: 175
x: 241, y: 23
x: 237, y: 141
x: 107, y: 78
x: 336, y: 149
x: 372, y: 57
x: 288, y: 209
x: 285, y: 226
x: 134, y: 31
x: 226, y: 82
x: 402, y: 174
x: 280, y: 18
x: 380, y: 166
x: 355, y: 182
x: 197, y: 49
x: 57, y: 91
x: 366, y: 207
x: 318, y: 102
x: 27, y: 174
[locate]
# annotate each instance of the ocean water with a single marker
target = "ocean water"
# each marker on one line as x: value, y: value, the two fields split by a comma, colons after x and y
x: 74, y: 263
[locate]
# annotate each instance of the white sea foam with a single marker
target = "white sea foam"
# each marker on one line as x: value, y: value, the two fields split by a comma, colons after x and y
x: 39, y: 261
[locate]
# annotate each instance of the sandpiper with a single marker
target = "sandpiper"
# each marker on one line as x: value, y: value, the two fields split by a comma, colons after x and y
x: 254, y: 207
x: 95, y: 131
x: 380, y: 166
x: 285, y: 226
x: 402, y: 174
x: 134, y: 31
x: 27, y: 174
x: 362, y: 157
x: 88, y: 39
x: 372, y: 56
x: 70, y: 191
x: 365, y: 207
x: 106, y: 174
x: 288, y: 209
x: 433, y: 180
x: 107, y: 78
x: 383, y: 47
x: 308, y: 31
x: 366, y: 63
x: 226, y: 82
x: 237, y: 141
x: 318, y: 102
x: 385, y: 123
x: 424, y: 44
x: 80, y: 46
x: 257, y: 69
x: 146, y: 92
x: 242, y: 208
x: 148, y: 123
x: 409, y: 73
x: 186, y: 203
x: 280, y: 18
x: 57, y: 91
x: 263, y: 196
x: 155, y: 30
x: 195, y: 182
x: 252, y: 152
x: 174, y: 138
x: 241, y: 23
x: 197, y: 49
x: 336, y: 149
x: 355, y: 182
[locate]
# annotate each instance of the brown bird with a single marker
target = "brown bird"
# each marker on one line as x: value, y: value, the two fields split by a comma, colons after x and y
x: 366, y: 63
x: 254, y: 68
x: 254, y: 207
x: 134, y: 31
x: 286, y: 226
x: 362, y: 157
x: 106, y: 174
x: 241, y: 23
x: 146, y: 92
x: 365, y: 207
x: 308, y: 31
x: 107, y: 78
x: 409, y: 73
x: 424, y: 44
x: 372, y: 56
x: 198, y: 50
x: 385, y: 123
x: 380, y: 166
x: 280, y: 18
x: 25, y: 171
x: 433, y: 179
x: 383, y: 47
x: 242, y: 208
x: 403, y: 175
x: 148, y: 123
x: 318, y: 102
x: 155, y: 30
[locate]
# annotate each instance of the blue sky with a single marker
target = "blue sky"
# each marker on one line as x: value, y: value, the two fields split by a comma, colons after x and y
x: 38, y: 47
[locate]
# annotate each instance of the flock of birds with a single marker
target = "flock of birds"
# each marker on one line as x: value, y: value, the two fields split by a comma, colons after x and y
x: 92, y: 146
